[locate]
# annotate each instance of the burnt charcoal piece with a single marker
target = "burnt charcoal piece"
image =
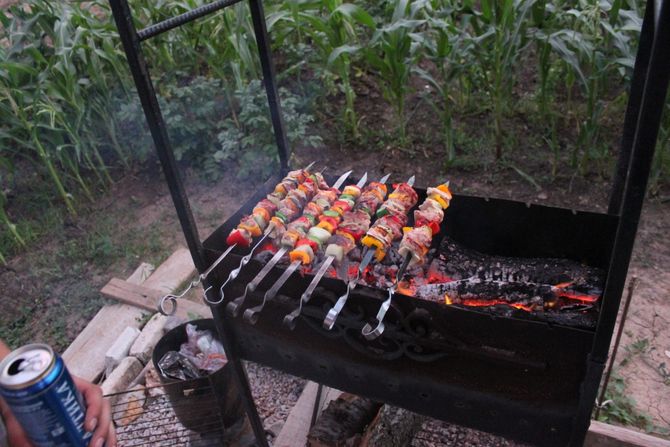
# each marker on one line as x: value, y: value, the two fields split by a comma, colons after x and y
x: 458, y: 262
x: 544, y: 287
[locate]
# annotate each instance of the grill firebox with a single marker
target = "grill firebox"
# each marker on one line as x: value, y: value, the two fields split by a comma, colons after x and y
x: 507, y: 375
x: 512, y: 375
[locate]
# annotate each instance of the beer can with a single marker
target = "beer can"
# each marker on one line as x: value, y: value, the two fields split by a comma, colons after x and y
x: 36, y: 385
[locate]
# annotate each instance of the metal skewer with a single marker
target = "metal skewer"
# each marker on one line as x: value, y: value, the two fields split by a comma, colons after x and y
x: 234, y: 305
x: 334, y: 312
x: 368, y: 332
x: 172, y: 298
x: 237, y: 302
x: 250, y: 315
x: 245, y: 260
x: 289, y: 320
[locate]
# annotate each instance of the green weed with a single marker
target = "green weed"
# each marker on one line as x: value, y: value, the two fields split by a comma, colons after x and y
x: 620, y: 408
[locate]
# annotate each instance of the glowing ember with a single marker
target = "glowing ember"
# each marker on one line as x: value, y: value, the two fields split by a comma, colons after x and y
x: 486, y: 303
x: 578, y: 296
x: 268, y: 246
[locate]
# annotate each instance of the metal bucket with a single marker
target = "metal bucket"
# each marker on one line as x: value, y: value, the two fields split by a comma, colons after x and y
x: 207, y: 404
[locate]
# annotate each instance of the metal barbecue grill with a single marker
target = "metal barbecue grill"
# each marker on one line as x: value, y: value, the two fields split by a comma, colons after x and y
x: 506, y: 373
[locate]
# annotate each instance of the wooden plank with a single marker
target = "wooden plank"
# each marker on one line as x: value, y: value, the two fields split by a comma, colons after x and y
x: 295, y: 429
x: 85, y: 356
x: 147, y: 298
x: 173, y: 273
x: 141, y: 273
x: 606, y: 435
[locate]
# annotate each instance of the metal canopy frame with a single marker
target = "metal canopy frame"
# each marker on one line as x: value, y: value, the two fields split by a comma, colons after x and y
x: 642, y: 121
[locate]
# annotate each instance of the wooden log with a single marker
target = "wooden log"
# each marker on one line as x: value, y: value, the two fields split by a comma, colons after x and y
x: 146, y: 298
x: 392, y: 427
x: 606, y: 435
x: 172, y: 273
x: 343, y: 422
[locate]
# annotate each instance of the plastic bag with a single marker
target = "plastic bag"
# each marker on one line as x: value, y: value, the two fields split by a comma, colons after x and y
x: 199, y: 356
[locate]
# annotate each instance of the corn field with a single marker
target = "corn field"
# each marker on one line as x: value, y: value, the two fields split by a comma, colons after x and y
x: 69, y: 115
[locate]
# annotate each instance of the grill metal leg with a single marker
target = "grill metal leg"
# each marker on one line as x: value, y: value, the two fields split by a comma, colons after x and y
x: 227, y: 339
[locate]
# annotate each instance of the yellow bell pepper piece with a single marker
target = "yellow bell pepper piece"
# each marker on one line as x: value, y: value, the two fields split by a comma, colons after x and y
x: 299, y: 255
x: 326, y: 226
x: 443, y: 203
x: 379, y: 246
x: 254, y: 230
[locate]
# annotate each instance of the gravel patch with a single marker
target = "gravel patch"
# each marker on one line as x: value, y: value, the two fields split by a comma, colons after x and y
x: 275, y: 394
x: 436, y: 433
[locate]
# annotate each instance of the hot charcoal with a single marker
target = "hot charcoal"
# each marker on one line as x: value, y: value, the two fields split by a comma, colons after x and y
x: 557, y: 290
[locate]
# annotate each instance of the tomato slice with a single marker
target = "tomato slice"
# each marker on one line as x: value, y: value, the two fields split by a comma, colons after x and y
x: 237, y: 237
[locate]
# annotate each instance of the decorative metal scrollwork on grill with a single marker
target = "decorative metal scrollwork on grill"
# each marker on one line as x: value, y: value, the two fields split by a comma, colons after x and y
x: 412, y: 335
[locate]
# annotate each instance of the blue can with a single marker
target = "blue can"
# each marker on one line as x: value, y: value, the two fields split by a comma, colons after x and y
x: 41, y: 394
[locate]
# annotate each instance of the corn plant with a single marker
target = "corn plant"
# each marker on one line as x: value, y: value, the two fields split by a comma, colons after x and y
x: 392, y: 52
x: 502, y: 26
x: 59, y: 67
x: 332, y: 29
x: 602, y: 37
x: 450, y: 48
x: 6, y: 167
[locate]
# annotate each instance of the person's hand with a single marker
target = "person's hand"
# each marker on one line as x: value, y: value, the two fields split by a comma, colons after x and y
x: 98, y: 418
x: 98, y: 414
x: 16, y: 437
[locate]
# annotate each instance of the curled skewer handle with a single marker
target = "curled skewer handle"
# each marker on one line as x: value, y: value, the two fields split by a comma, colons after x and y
x: 333, y: 313
x: 172, y: 298
x: 289, y: 320
x: 233, y: 306
x: 368, y: 332
x: 251, y: 315
x: 162, y: 305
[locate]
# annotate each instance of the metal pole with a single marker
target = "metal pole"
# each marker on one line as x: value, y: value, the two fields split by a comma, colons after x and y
x: 632, y: 112
x: 262, y: 41
x: 617, y: 340
x: 651, y: 110
x: 147, y: 94
x: 152, y: 112
x: 653, y: 95
x: 229, y: 345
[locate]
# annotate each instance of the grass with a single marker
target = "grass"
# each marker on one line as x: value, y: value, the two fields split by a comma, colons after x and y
x: 620, y: 408
x: 66, y: 274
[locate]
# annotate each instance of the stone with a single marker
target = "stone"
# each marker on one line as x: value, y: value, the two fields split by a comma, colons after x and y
x: 146, y: 341
x: 122, y: 376
x: 119, y: 350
